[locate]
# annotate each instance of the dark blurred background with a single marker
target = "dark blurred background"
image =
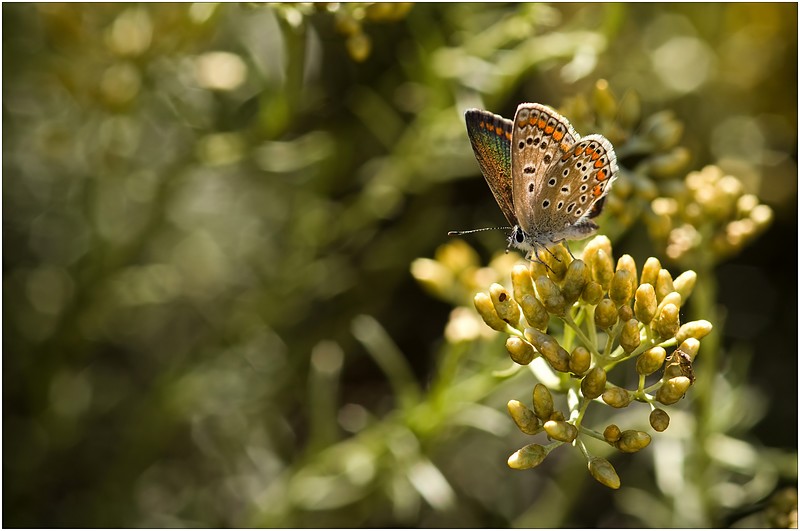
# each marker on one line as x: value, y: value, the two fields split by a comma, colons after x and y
x: 210, y: 214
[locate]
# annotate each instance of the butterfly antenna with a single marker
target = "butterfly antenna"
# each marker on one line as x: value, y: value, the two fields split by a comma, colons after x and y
x: 460, y: 232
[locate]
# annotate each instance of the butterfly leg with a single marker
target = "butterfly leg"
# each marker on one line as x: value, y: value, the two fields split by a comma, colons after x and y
x: 564, y: 242
x: 535, y: 253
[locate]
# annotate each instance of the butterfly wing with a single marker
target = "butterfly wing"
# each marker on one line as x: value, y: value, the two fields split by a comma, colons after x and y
x: 540, y: 137
x: 490, y: 136
x: 576, y: 186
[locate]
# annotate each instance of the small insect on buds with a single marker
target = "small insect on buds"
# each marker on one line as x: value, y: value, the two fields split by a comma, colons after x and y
x: 527, y: 457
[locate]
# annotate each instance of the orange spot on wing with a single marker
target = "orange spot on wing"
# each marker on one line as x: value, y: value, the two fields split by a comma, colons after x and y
x: 541, y: 124
x: 589, y: 151
x: 601, y: 175
x: 597, y: 190
x: 565, y: 148
x: 498, y: 130
x: 598, y: 164
x: 596, y: 155
x: 549, y: 130
x: 508, y: 136
x: 578, y: 151
x: 558, y: 135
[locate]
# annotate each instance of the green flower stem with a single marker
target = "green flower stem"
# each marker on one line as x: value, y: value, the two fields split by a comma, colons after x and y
x: 592, y: 433
x: 587, y: 342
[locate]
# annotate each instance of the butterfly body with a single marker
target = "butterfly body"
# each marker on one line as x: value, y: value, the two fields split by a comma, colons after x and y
x: 548, y: 181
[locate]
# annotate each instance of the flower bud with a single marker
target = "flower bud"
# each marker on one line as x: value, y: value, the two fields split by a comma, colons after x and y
x: 535, y: 313
x: 659, y: 419
x: 604, y: 101
x: 629, y: 337
x: 594, y: 383
x: 605, y: 315
x: 669, y: 163
x: 668, y: 322
x: 695, y: 329
x: 684, y: 284
x: 555, y: 354
x: 538, y: 269
x: 542, y: 402
x: 506, y: 307
x: 650, y: 271
x: 558, y: 261
x: 690, y: 346
x: 521, y: 282
x: 626, y: 263
x: 486, y: 309
x: 612, y: 433
x: 557, y: 415
x: 594, y: 245
x: 575, y: 281
x: 523, y: 417
x: 663, y: 130
x: 550, y: 295
x: 672, y: 297
x: 645, y: 304
x: 617, y: 397
x: 592, y: 293
x: 579, y: 361
x: 602, y: 269
x: 630, y: 109
x: 521, y: 351
x: 650, y: 361
x: 622, y: 285
x: 527, y: 457
x: 663, y: 284
x: 631, y: 441
x: 625, y: 313
x: 561, y: 430
x: 673, y: 390
x: 603, y: 472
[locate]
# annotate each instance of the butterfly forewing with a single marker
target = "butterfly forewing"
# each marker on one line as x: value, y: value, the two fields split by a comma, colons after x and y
x: 540, y: 138
x: 490, y: 136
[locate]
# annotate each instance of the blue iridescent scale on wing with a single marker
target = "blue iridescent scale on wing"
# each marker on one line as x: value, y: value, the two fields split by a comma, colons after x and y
x: 490, y: 136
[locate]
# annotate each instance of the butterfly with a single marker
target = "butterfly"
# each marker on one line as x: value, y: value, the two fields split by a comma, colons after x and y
x: 549, y: 182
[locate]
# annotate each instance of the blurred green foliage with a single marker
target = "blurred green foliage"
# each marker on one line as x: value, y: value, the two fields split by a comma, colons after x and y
x: 209, y: 214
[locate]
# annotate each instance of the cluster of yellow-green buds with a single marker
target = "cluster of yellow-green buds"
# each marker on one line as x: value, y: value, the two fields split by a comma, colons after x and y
x: 350, y: 19
x: 710, y: 215
x: 605, y: 315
